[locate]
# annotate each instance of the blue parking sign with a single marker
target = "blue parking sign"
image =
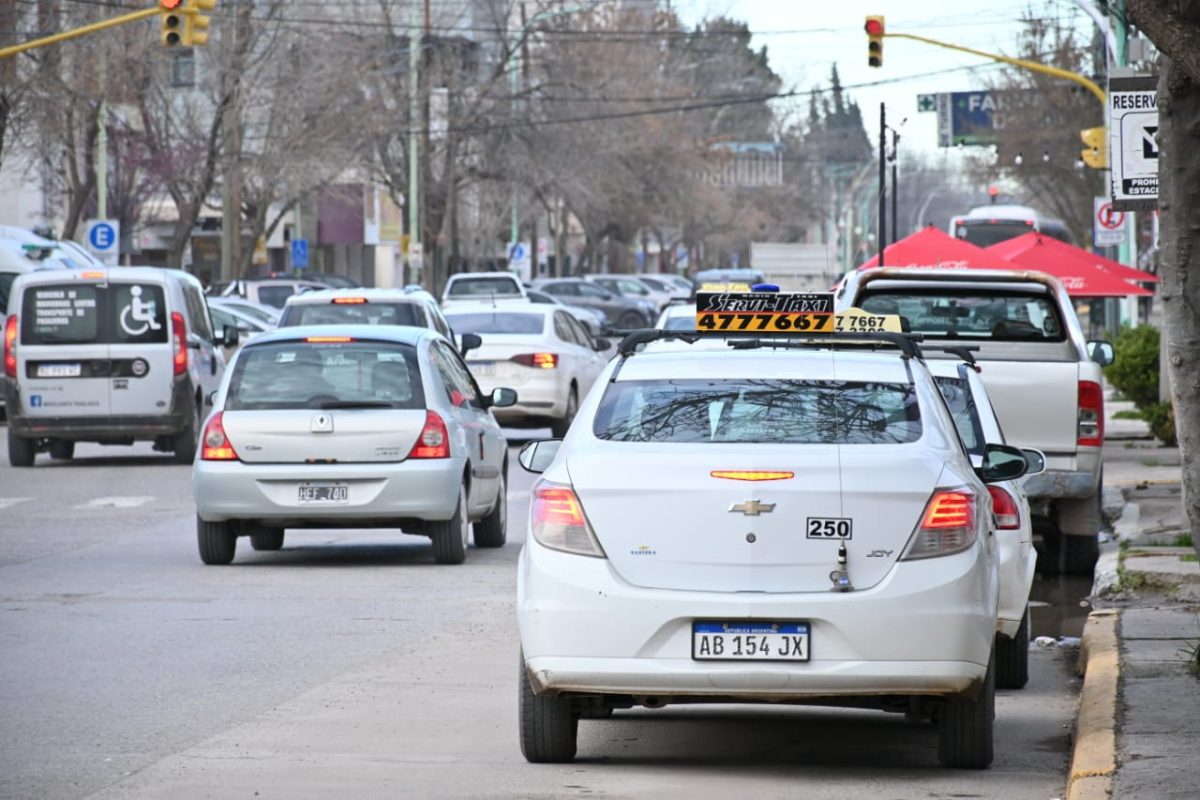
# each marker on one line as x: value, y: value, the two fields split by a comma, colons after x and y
x: 299, y: 253
x: 102, y: 236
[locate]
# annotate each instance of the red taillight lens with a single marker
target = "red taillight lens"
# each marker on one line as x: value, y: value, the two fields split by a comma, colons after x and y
x: 946, y: 527
x: 537, y: 360
x: 10, y: 346
x: 179, y: 332
x: 434, y: 441
x: 1091, y: 414
x: 1004, y: 508
x: 349, y: 301
x: 215, y: 445
x: 557, y: 521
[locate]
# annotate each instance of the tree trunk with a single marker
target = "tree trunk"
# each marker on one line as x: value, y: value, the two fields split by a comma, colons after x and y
x: 1179, y: 207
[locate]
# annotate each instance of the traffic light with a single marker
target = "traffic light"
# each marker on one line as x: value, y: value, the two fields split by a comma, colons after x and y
x: 195, y: 29
x: 874, y: 29
x: 172, y: 22
x: 1095, y: 155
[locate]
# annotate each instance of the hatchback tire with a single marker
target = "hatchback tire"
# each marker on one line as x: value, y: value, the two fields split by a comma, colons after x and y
x: 62, y: 449
x: 450, y: 536
x: 1012, y: 657
x: 185, y: 442
x: 559, y: 427
x: 549, y: 727
x: 21, y: 451
x: 267, y: 539
x: 492, y: 530
x: 217, y: 542
x: 631, y: 321
x: 965, y: 727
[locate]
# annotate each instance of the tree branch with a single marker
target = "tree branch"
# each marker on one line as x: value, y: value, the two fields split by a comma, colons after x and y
x: 1173, y: 31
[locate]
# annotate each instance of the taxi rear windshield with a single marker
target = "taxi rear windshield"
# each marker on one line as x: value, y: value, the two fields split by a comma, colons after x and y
x: 351, y: 314
x: 753, y: 411
x: 326, y: 375
x: 88, y: 313
x: 956, y: 314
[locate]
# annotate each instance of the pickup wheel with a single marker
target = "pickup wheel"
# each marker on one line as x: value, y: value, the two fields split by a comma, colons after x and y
x: 965, y: 727
x: 21, y: 451
x: 1064, y: 554
x: 1012, y: 657
x: 62, y: 449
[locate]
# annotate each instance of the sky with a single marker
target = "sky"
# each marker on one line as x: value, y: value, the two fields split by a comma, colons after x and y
x: 805, y: 37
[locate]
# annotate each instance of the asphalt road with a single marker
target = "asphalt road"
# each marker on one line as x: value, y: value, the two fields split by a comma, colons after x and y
x: 349, y: 664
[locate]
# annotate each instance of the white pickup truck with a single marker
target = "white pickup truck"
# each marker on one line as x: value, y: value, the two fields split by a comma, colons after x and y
x: 1042, y: 376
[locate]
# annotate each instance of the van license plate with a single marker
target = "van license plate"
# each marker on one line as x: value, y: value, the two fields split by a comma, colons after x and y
x: 750, y: 641
x: 59, y: 370
x: 324, y: 493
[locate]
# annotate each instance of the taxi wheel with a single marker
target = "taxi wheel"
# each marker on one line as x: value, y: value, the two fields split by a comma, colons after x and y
x: 450, y: 536
x: 549, y: 727
x: 559, y: 427
x: 21, y: 451
x: 184, y: 443
x: 62, y: 449
x: 267, y: 539
x: 1012, y: 658
x: 965, y: 727
x: 492, y: 530
x: 217, y: 542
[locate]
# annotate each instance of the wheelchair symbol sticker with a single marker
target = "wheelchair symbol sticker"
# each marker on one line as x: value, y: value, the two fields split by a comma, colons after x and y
x: 137, y: 311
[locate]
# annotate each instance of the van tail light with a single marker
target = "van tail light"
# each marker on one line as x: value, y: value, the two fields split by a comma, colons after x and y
x: 434, y: 441
x: 179, y: 333
x: 214, y: 444
x: 947, y: 526
x: 557, y: 521
x: 1004, y: 508
x: 537, y: 360
x: 1091, y: 414
x: 10, y: 346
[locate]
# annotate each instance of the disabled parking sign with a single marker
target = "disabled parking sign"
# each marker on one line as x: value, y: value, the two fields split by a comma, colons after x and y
x: 103, y: 240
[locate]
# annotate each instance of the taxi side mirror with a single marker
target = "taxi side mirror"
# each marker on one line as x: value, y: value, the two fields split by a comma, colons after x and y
x: 1002, y: 463
x: 537, y: 455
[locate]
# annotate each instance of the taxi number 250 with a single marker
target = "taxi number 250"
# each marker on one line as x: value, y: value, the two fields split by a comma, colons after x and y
x: 829, y: 528
x: 770, y: 321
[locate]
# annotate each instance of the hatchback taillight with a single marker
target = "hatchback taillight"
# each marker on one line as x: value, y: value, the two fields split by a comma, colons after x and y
x: 434, y: 441
x: 179, y: 334
x: 947, y: 526
x: 1091, y: 414
x: 537, y: 360
x: 215, y: 445
x: 1004, y: 508
x: 557, y: 521
x: 10, y: 346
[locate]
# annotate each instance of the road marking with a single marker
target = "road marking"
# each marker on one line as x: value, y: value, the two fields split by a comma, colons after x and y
x: 9, y: 502
x: 115, y: 502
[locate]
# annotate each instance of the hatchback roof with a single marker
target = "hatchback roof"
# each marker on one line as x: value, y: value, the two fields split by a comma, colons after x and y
x: 400, y: 334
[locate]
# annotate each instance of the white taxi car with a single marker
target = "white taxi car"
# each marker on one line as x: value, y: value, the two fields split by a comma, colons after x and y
x: 753, y: 520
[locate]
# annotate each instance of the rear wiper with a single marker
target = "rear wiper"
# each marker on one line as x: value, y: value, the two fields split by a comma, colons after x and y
x: 357, y: 404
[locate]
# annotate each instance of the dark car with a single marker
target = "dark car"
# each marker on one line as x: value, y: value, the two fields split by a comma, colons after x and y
x: 620, y: 312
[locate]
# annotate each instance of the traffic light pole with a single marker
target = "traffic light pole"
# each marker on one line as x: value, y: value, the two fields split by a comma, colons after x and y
x: 84, y: 30
x: 882, y: 224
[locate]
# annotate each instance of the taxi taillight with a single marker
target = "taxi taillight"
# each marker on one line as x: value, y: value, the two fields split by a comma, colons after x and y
x: 215, y: 445
x: 10, y: 346
x: 179, y: 333
x: 557, y: 521
x: 1004, y: 508
x: 947, y: 525
x: 434, y: 441
x: 752, y: 474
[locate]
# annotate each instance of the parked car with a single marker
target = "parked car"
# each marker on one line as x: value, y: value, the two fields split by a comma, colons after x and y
x: 593, y: 319
x: 330, y: 279
x: 663, y: 286
x: 677, y: 317
x: 627, y: 286
x: 268, y: 315
x: 378, y: 426
x: 268, y: 291
x: 248, y: 326
x: 470, y: 287
x: 540, y: 350
x: 110, y: 356
x: 619, y: 312
x: 1031, y: 346
x: 365, y: 307
x: 743, y: 277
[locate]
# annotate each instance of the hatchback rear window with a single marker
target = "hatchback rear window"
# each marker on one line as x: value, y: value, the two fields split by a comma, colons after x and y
x: 499, y: 322
x: 351, y: 314
x: 953, y: 314
x: 82, y: 313
x: 483, y: 287
x: 326, y: 375
x: 767, y: 411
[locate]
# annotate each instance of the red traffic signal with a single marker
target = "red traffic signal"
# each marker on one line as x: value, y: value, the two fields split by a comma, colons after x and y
x: 875, y: 34
x: 874, y: 26
x: 169, y: 5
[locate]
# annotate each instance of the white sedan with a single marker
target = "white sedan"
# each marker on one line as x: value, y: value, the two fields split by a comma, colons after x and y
x: 776, y: 522
x: 677, y: 317
x: 542, y: 351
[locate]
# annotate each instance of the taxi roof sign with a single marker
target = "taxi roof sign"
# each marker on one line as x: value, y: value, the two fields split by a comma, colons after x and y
x: 766, y: 312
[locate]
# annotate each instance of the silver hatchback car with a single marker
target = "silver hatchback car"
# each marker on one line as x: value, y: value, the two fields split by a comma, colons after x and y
x: 355, y: 426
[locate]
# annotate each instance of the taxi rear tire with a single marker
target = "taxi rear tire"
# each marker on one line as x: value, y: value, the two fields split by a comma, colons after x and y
x: 1012, y: 657
x: 965, y: 726
x: 217, y: 542
x: 492, y: 530
x: 450, y: 536
x: 62, y: 449
x: 21, y: 451
x: 267, y: 539
x: 549, y: 726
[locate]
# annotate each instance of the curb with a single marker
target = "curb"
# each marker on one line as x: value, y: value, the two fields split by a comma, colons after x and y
x: 1094, y: 757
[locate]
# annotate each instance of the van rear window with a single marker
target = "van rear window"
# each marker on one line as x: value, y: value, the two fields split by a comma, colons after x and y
x: 82, y: 313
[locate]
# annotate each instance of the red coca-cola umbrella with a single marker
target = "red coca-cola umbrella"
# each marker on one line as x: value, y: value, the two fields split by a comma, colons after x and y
x: 1034, y: 251
x: 930, y: 248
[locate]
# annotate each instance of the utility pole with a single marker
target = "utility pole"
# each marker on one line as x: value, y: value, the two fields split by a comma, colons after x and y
x: 414, y: 140
x: 533, y: 216
x: 231, y: 195
x: 1128, y: 248
x: 102, y: 140
x: 882, y: 222
x: 895, y: 185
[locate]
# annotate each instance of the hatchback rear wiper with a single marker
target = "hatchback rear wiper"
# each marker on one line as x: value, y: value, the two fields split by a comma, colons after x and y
x: 357, y: 404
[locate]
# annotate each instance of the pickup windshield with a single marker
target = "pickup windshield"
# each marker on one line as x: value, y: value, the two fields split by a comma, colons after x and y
x: 997, y: 316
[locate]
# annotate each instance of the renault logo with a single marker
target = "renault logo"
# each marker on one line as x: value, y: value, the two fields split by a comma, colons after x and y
x: 322, y: 423
x: 752, y: 508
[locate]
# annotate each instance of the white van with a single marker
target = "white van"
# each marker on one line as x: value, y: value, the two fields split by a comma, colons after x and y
x: 110, y: 356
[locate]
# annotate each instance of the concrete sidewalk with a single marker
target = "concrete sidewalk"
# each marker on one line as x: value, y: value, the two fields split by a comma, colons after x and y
x: 1138, y: 730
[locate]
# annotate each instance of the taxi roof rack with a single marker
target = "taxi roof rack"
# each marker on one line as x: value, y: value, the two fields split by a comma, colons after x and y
x: 964, y: 352
x: 906, y: 343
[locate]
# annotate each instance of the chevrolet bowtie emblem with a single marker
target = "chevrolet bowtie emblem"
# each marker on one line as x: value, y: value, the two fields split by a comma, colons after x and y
x: 752, y: 508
